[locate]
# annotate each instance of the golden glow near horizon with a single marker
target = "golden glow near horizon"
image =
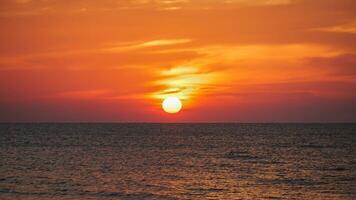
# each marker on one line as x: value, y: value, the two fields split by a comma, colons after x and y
x: 184, y: 82
x: 171, y: 105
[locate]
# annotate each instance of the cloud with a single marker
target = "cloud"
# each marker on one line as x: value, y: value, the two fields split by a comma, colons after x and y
x: 121, y: 56
x: 22, y: 1
x: 183, y: 82
x: 344, y: 28
x: 218, y: 67
x: 344, y: 64
x: 13, y: 8
x: 260, y: 2
x: 152, y: 43
x: 162, y: 43
x: 85, y: 94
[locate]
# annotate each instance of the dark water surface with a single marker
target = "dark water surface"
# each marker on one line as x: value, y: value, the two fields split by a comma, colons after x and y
x: 177, y: 161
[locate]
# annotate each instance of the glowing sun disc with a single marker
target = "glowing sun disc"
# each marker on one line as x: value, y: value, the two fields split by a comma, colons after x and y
x: 172, y: 105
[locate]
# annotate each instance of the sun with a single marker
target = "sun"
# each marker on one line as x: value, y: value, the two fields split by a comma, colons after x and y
x: 172, y: 105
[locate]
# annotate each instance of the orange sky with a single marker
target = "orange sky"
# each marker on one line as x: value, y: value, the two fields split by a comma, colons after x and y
x: 228, y: 60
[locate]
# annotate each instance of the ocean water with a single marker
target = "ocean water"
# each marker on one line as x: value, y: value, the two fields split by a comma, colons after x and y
x: 177, y: 161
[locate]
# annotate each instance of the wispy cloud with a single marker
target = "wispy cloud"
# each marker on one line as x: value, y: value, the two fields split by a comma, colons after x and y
x: 260, y: 2
x: 152, y: 43
x: 183, y: 82
x: 31, y: 7
x: 22, y: 1
x: 344, y: 28
x: 226, y: 65
x: 85, y: 94
x: 161, y: 43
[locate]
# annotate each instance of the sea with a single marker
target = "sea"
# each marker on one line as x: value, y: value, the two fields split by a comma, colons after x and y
x: 177, y: 161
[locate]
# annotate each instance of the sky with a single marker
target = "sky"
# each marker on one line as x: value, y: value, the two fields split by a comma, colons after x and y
x: 227, y: 60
